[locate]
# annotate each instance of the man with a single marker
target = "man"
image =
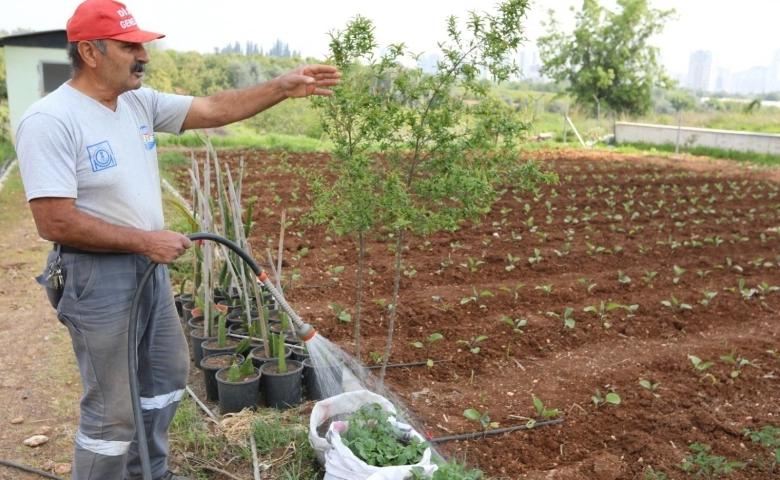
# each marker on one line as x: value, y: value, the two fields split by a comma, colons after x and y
x: 89, y: 166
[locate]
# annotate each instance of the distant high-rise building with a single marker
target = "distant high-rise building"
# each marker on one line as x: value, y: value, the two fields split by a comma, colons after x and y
x: 754, y: 80
x: 723, y: 80
x: 699, y: 69
x: 528, y: 62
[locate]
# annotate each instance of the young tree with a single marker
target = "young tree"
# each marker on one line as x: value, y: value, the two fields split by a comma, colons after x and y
x: 446, y: 146
x: 607, y: 58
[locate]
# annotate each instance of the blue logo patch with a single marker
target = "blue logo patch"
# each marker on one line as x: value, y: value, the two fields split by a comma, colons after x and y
x: 148, y: 137
x: 101, y: 156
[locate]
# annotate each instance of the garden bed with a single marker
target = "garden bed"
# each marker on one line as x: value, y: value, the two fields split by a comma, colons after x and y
x: 597, y: 236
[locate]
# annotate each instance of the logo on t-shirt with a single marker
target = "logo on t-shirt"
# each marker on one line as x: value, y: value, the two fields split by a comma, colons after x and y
x: 101, y: 156
x: 148, y: 137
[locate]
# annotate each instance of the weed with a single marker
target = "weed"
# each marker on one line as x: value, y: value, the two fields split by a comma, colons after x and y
x: 768, y: 437
x: 704, y: 464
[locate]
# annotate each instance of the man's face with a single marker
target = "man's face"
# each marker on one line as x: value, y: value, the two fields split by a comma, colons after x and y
x: 123, y: 65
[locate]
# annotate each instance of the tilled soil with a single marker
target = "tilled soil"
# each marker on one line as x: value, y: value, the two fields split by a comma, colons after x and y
x: 671, y: 230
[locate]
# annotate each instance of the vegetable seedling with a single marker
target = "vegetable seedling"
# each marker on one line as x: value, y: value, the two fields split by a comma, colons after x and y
x: 611, y: 398
x: 652, y: 386
x: 472, y: 344
x: 434, y: 337
x: 482, y: 418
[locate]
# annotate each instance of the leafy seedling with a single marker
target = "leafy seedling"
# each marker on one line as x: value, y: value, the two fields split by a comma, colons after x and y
x: 736, y: 362
x: 472, y: 265
x: 623, y: 279
x: 678, y: 271
x: 602, y: 310
x: 568, y: 322
x: 482, y: 418
x: 541, y: 411
x: 475, y: 296
x: 675, y: 305
x: 472, y: 344
x: 341, y: 314
x: 434, y: 337
x: 652, y: 386
x: 588, y: 283
x: 611, y: 398
x: 708, y: 297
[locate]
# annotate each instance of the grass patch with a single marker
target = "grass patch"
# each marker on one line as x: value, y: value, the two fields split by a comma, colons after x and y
x: 271, y: 141
x: 6, y: 151
x: 277, y: 433
x: 719, y: 153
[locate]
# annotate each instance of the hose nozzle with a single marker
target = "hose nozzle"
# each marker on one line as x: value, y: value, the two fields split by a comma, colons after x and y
x: 305, y: 331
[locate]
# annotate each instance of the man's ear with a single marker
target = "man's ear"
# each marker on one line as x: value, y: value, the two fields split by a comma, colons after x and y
x: 89, y: 53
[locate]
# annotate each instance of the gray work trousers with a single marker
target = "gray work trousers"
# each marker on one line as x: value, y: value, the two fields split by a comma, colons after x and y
x: 95, y: 306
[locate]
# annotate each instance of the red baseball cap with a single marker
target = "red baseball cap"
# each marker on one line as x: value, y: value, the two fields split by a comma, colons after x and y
x: 99, y: 19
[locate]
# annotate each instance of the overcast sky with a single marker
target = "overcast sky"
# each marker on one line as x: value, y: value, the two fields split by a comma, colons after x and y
x: 740, y: 34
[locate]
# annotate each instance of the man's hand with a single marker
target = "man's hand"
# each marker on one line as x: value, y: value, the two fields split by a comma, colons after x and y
x: 309, y: 80
x: 164, y: 246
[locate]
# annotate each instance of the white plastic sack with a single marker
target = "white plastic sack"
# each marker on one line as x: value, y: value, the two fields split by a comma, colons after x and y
x: 344, y: 403
x: 342, y: 464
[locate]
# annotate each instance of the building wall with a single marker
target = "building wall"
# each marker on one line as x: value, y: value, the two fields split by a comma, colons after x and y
x: 24, y: 79
x: 697, y: 137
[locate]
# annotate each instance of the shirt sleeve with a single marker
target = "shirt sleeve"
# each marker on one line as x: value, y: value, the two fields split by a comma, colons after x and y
x: 47, y: 160
x: 170, y: 111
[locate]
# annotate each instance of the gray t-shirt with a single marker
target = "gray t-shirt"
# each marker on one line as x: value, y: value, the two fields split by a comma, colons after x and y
x: 70, y: 145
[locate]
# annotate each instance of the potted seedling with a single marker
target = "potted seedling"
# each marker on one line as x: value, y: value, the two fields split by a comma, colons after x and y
x: 281, y: 379
x: 238, y: 387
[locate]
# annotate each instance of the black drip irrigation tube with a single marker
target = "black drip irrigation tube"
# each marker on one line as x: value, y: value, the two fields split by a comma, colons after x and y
x: 396, y: 365
x: 31, y: 470
x: 497, y: 431
x: 132, y: 351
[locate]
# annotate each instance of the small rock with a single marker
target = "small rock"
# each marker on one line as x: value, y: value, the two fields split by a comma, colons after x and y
x: 17, y: 420
x: 36, y: 440
x: 62, y: 468
x: 43, y: 431
x: 49, y: 465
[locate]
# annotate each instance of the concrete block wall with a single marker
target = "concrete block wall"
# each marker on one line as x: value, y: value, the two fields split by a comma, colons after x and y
x: 697, y: 137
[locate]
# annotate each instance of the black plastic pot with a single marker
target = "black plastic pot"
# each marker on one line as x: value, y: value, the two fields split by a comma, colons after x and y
x: 236, y: 396
x: 198, y: 337
x: 322, y: 381
x: 186, y: 310
x: 259, y: 358
x: 210, y: 372
x: 281, y: 390
x: 210, y: 347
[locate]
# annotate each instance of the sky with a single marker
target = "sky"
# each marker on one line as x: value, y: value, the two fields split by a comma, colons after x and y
x: 740, y: 34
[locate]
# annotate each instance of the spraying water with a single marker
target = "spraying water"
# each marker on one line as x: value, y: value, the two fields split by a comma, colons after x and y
x: 324, y: 355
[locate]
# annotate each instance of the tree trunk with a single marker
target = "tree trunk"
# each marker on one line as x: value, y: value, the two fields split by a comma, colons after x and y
x: 399, y: 251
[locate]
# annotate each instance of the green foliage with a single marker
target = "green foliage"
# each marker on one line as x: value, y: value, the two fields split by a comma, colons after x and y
x: 608, y: 57
x: 767, y: 437
x: 701, y: 463
x: 472, y: 343
x: 451, y: 470
x: 611, y: 398
x: 652, y: 386
x: 541, y: 411
x: 403, y: 158
x: 373, y: 439
x: 483, y: 418
x: 237, y: 372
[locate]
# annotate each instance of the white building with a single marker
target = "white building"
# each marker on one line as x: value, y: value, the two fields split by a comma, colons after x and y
x: 750, y: 81
x: 699, y: 69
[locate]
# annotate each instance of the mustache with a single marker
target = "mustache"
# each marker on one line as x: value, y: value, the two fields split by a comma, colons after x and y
x: 138, y: 67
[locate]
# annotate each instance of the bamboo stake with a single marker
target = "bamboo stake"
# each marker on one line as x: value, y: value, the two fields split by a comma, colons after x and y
x: 202, y: 405
x: 255, y: 462
x: 280, y: 253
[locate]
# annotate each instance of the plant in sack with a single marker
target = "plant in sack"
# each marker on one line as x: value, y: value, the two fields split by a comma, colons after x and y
x: 375, y: 440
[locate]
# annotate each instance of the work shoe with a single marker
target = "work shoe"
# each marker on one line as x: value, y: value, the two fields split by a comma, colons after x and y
x: 169, y: 475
